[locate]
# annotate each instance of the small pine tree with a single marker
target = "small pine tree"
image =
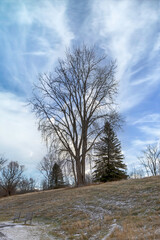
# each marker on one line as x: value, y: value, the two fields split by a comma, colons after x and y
x: 109, y: 165
x: 57, y: 176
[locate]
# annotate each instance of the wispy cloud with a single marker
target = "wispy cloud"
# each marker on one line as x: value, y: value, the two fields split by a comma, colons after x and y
x: 151, y: 131
x: 142, y: 143
x: 149, y: 118
x: 146, y: 132
x: 127, y: 31
x: 19, y: 138
x: 149, y: 126
x: 33, y: 36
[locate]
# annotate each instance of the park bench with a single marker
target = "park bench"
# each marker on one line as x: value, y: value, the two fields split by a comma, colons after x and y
x: 28, y: 217
x: 16, y: 216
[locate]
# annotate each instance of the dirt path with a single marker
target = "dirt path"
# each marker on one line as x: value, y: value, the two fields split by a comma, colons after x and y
x: 2, y: 227
x: 10, y: 231
x: 3, y: 237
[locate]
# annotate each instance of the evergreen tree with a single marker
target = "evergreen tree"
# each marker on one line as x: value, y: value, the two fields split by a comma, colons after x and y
x: 57, y: 176
x: 109, y: 165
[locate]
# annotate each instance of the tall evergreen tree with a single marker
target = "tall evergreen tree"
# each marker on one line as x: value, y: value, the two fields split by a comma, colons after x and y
x: 109, y: 164
x: 57, y: 176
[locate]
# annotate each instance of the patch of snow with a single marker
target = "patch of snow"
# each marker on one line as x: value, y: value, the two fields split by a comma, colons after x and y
x: 129, y: 203
x: 94, y: 212
x: 157, y: 232
x: 113, y: 227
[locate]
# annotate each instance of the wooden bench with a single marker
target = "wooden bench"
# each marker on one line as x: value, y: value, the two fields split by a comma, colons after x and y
x: 28, y: 217
x: 16, y: 216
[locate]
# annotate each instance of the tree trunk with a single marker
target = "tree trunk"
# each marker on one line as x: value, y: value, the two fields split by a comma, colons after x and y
x: 73, y: 169
x: 9, y: 192
x: 83, y: 162
x: 79, y: 173
x: 84, y: 144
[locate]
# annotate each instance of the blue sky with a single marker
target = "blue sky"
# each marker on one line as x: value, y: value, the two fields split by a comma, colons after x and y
x: 33, y: 34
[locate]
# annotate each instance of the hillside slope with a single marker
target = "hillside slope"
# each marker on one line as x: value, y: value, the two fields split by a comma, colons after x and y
x: 121, y: 210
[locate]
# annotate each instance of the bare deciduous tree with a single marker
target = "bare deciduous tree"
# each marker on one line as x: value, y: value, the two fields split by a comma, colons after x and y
x: 136, y: 173
x: 10, y: 177
x: 2, y: 162
x: 72, y: 102
x: 150, y: 160
x: 26, y: 185
x: 46, y: 167
x: 68, y: 165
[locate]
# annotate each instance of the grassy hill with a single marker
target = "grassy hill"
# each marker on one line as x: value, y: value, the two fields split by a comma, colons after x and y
x: 121, y: 210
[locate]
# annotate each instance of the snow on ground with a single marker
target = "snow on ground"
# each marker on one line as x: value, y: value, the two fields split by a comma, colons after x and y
x: 113, y: 227
x: 23, y: 232
x: 94, y: 212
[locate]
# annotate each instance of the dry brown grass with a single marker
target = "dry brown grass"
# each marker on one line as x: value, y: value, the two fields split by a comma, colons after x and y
x: 121, y: 210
